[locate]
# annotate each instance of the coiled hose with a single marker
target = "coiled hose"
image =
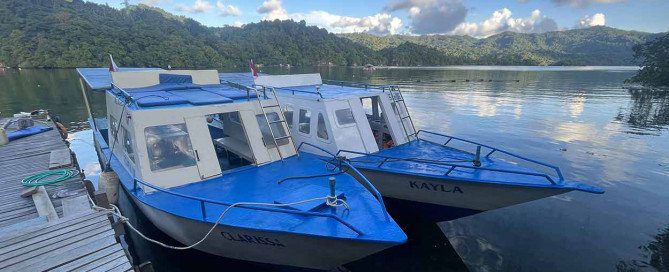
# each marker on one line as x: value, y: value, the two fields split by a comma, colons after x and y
x: 40, y: 179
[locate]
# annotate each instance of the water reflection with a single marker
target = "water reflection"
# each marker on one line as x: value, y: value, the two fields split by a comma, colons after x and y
x: 583, y: 121
x: 655, y: 254
x: 648, y: 111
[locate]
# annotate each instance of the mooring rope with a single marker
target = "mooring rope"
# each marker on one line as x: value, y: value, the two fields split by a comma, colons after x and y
x: 331, y: 201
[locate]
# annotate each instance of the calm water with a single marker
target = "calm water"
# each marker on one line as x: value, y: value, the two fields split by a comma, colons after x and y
x: 577, y: 118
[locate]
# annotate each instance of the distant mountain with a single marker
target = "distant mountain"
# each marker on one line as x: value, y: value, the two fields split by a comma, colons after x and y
x: 597, y: 45
x: 59, y: 33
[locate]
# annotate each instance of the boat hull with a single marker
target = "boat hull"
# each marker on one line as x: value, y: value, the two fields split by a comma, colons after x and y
x: 443, y: 199
x: 277, y: 248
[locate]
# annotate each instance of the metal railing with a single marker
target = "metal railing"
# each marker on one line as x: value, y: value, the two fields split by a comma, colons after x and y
x: 451, y: 166
x: 365, y: 85
x: 492, y: 150
x: 203, y: 202
x: 341, y: 160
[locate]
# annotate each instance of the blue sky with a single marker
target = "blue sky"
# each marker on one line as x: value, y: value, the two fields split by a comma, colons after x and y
x: 478, y: 18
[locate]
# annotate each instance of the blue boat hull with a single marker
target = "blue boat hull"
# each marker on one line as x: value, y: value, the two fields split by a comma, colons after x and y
x: 442, y: 199
x: 284, y: 249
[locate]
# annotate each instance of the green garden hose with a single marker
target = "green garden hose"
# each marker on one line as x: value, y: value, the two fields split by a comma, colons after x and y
x: 39, y: 179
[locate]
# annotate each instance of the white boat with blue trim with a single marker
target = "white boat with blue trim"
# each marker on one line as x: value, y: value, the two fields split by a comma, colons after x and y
x: 186, y: 148
x: 439, y: 176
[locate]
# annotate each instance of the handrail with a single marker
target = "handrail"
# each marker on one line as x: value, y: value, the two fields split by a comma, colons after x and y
x: 294, y: 90
x: 238, y: 86
x: 382, y: 87
x: 370, y: 188
x: 452, y: 166
x: 493, y: 150
x: 269, y: 209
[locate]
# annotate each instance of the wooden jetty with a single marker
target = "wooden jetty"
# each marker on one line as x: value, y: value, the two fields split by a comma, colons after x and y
x: 52, y: 227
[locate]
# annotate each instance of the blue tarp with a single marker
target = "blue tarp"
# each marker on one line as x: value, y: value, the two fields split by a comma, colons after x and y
x: 100, y: 78
x: 36, y: 129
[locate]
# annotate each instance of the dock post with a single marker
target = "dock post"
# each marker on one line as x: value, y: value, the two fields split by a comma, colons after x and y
x: 477, y: 159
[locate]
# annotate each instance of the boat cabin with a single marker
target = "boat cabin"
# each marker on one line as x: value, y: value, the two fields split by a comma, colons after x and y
x: 339, y: 115
x: 170, y: 128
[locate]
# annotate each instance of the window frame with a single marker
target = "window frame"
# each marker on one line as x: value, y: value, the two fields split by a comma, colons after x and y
x: 318, y: 125
x: 299, y: 128
x: 354, y: 123
x: 172, y: 168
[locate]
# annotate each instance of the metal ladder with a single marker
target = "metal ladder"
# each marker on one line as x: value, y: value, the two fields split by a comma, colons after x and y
x: 282, y: 119
x: 402, y: 107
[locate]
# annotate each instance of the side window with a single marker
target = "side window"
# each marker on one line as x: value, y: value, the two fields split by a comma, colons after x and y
x: 344, y: 117
x: 169, y: 147
x: 113, y: 125
x: 277, y: 128
x: 304, y: 121
x: 127, y: 144
x: 322, y: 130
x: 234, y: 117
x: 288, y: 114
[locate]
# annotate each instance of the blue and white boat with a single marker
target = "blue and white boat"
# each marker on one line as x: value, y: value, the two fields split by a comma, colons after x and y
x: 438, y: 176
x: 182, y: 171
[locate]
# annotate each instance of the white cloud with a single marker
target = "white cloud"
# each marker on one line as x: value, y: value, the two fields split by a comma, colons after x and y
x: 273, y: 10
x: 199, y: 6
x: 503, y: 20
x: 583, y: 3
x: 379, y: 24
x: 152, y: 3
x: 237, y: 24
x: 431, y: 16
x: 227, y: 10
x: 598, y: 19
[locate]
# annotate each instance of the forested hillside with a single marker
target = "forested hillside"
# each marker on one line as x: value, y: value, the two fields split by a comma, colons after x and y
x: 591, y: 46
x: 59, y: 33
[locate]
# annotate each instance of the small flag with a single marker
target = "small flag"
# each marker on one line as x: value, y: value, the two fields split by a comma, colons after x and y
x: 253, y: 69
x: 112, y: 64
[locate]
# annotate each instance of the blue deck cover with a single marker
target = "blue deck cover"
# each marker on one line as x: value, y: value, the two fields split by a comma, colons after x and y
x: 21, y: 133
x: 429, y: 151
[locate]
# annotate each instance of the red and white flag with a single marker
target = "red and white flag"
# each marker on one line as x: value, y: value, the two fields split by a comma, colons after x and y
x: 112, y: 64
x: 254, y: 73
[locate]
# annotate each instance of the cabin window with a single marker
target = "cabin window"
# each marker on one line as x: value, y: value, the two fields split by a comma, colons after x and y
x: 127, y: 144
x: 321, y: 129
x: 113, y: 126
x: 234, y: 117
x: 288, y: 114
x: 277, y: 129
x: 344, y: 117
x: 169, y: 147
x: 304, y: 121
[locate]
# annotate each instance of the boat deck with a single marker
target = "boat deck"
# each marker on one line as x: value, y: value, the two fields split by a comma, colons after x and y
x: 55, y: 228
x: 439, y: 160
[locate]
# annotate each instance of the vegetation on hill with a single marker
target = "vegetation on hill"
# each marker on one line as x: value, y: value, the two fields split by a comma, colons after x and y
x: 591, y: 46
x: 654, y: 57
x: 72, y: 33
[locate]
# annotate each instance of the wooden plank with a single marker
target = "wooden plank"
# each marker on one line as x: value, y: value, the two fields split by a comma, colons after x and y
x: 16, y: 228
x: 68, y: 254
x: 48, y: 240
x: 44, y: 205
x: 60, y: 158
x: 51, y: 227
x: 88, y: 258
x: 108, y: 262
x: 29, y: 258
x: 76, y: 205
